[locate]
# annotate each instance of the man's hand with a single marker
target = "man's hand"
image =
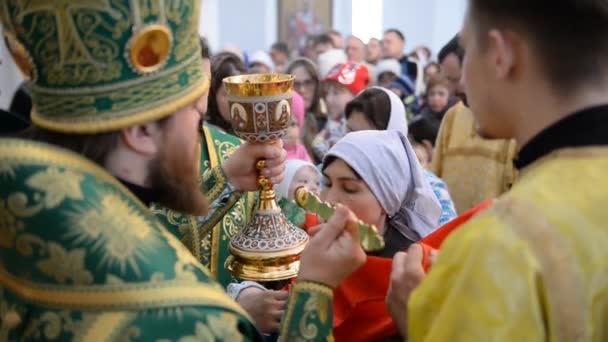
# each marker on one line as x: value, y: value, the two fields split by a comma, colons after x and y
x: 334, y: 251
x: 266, y: 307
x: 406, y: 275
x: 240, y: 167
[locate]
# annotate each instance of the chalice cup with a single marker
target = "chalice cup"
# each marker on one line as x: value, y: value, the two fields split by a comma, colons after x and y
x: 268, y: 248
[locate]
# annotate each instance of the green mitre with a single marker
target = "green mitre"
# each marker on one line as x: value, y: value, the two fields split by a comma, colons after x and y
x: 103, y: 65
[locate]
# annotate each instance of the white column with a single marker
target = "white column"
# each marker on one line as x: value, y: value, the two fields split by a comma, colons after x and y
x: 449, y: 16
x: 342, y: 15
x: 209, y: 24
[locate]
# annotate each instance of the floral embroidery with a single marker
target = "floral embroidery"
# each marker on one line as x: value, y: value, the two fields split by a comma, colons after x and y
x: 57, y: 185
x: 218, y: 328
x: 65, y: 265
x: 9, y: 226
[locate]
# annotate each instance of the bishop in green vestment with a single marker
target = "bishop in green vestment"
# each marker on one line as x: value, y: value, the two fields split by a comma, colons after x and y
x: 81, y: 255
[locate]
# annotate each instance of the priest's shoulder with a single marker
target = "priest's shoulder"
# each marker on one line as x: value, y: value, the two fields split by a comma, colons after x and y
x: 63, y: 209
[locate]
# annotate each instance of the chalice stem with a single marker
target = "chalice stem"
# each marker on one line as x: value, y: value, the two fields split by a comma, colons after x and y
x: 267, y: 195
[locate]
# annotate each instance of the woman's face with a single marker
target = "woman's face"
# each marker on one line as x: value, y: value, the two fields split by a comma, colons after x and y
x: 341, y: 185
x: 305, y: 85
x: 306, y: 177
x: 222, y: 103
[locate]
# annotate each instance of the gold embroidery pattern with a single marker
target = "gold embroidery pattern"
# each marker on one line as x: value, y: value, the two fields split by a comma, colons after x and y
x: 55, y: 325
x: 121, y: 100
x: 225, y: 149
x: 76, y: 56
x: 189, y: 36
x: 218, y: 328
x: 57, y: 185
x: 80, y: 60
x: 64, y: 265
x: 234, y: 220
x: 110, y: 225
x: 9, y: 226
x: 317, y: 306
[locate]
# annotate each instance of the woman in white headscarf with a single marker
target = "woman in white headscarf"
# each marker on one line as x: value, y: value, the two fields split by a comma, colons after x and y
x: 377, y: 175
x: 378, y: 108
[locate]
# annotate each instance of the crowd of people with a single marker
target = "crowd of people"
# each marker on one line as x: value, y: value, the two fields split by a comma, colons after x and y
x: 122, y: 180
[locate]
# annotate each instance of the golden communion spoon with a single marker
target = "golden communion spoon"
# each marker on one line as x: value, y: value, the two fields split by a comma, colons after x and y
x: 371, y: 240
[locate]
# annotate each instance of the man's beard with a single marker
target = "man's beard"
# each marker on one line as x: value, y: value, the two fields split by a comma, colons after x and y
x: 174, y: 178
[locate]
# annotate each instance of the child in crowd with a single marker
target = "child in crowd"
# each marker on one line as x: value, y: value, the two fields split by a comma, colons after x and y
x: 297, y: 173
x: 292, y: 142
x: 438, y: 98
x: 343, y: 83
x: 422, y: 134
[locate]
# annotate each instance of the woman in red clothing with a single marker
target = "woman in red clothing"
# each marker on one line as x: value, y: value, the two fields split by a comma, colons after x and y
x: 377, y: 175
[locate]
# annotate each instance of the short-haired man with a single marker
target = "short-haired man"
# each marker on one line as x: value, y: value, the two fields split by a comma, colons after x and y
x: 533, y: 266
x: 82, y: 255
x: 393, y: 46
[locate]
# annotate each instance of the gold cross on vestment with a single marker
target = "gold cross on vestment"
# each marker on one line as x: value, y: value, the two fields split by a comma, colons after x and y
x: 72, y: 49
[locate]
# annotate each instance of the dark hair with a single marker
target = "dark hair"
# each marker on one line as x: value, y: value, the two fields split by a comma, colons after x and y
x: 397, y: 32
x: 567, y: 37
x: 95, y: 147
x: 311, y: 69
x: 223, y: 65
x: 330, y: 159
x: 452, y: 47
x: 374, y: 104
x: 281, y: 47
x: 324, y: 39
x: 205, y: 50
x: 423, y: 128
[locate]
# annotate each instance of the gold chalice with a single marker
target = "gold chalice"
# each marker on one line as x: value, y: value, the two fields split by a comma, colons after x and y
x: 268, y: 248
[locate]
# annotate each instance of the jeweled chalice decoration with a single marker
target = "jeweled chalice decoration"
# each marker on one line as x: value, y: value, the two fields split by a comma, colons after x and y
x: 268, y: 248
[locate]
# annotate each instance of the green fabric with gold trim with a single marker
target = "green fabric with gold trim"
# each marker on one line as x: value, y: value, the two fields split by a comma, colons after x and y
x: 102, y: 65
x: 83, y: 257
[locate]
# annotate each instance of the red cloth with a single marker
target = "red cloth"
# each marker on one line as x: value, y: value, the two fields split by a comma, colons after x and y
x: 360, y: 312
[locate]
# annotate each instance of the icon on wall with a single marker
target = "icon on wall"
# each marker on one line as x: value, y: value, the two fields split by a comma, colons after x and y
x: 301, y: 19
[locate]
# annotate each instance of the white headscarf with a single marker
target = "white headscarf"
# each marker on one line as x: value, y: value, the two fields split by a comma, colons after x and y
x: 398, y: 116
x: 292, y: 167
x: 386, y: 162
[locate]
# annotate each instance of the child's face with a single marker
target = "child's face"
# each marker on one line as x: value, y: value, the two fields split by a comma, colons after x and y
x: 386, y: 79
x: 308, y: 177
x: 424, y: 157
x: 337, y: 97
x: 438, y: 98
x: 292, y: 138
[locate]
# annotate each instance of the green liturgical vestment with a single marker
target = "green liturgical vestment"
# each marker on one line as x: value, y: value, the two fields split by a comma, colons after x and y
x: 82, y: 259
